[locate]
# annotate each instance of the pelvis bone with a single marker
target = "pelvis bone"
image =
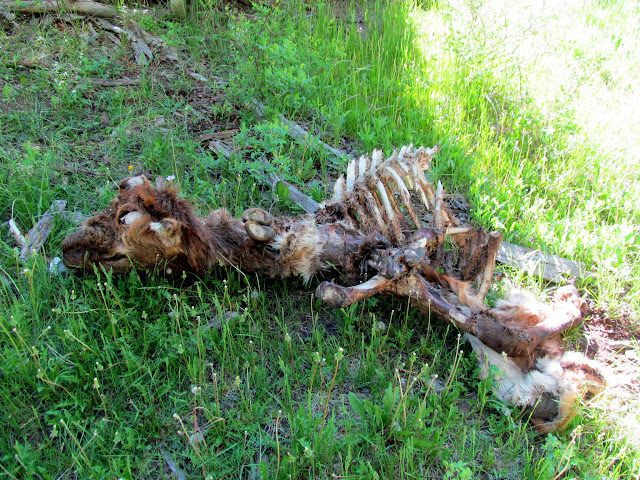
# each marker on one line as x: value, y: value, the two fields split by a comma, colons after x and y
x: 368, y: 239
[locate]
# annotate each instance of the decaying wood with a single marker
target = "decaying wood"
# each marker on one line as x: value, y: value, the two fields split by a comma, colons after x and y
x: 141, y: 41
x: 550, y: 267
x: 113, y: 82
x: 39, y: 233
x: 299, y: 134
x: 49, y: 6
x: 26, y: 64
x: 217, y: 135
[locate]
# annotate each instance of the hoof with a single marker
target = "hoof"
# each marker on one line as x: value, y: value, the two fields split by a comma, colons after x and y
x: 257, y: 215
x: 260, y: 233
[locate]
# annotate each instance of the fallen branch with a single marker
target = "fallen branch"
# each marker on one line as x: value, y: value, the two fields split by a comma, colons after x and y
x: 113, y: 82
x: 26, y: 64
x: 49, y: 6
x: 217, y: 135
x: 38, y: 234
x: 550, y: 267
x: 299, y: 134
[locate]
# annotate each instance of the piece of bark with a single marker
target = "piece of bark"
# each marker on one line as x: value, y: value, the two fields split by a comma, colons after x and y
x: 38, y: 234
x: 48, y: 6
x: 550, y: 267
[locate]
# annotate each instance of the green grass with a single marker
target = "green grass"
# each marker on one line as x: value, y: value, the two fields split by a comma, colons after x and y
x: 117, y: 377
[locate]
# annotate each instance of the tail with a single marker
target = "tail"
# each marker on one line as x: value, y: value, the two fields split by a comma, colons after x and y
x: 542, y: 390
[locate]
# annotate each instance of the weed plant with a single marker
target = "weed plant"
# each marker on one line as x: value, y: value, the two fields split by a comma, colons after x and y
x: 235, y: 376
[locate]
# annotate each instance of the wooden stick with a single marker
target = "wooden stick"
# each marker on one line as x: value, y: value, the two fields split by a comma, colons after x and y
x: 48, y: 6
x: 299, y: 134
x: 109, y: 82
x: 38, y: 234
x: 550, y: 267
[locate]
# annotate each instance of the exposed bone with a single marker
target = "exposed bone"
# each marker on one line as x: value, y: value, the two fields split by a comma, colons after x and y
x: 339, y: 189
x: 438, y: 222
x: 134, y: 181
x: 364, y: 164
x: 130, y: 217
x: 351, y: 175
x: 340, y: 297
x: 376, y: 159
x: 495, y: 238
x: 17, y: 234
x: 384, y: 198
x: 404, y: 193
x: 451, y: 231
x: 373, y: 208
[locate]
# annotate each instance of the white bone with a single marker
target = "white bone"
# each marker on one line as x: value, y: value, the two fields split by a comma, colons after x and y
x: 130, y: 217
x: 376, y: 159
x: 351, y: 175
x: 402, y: 188
x: 135, y: 181
x: 385, y: 199
x: 438, y: 220
x: 338, y: 189
x: 363, y: 166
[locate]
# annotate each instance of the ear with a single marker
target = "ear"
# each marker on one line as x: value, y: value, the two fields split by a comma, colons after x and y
x: 130, y: 182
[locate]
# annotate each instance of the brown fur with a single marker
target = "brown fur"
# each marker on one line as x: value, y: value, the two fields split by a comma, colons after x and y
x: 166, y: 234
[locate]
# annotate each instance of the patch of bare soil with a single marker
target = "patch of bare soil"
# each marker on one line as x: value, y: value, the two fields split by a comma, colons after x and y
x: 614, y: 341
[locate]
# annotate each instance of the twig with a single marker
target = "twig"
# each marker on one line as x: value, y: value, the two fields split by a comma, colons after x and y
x: 217, y: 135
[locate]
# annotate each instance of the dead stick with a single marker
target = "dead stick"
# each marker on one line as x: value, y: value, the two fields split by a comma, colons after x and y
x: 47, y: 6
x: 300, y: 134
x: 38, y: 234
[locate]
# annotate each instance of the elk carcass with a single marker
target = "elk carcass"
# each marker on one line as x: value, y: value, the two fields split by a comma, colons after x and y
x: 370, y: 238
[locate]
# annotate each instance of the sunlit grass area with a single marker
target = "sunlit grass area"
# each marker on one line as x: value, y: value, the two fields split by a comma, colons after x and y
x: 230, y: 376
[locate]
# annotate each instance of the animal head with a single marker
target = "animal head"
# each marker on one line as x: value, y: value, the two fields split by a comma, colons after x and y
x: 144, y: 227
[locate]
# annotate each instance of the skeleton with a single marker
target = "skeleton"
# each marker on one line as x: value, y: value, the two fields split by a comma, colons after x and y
x: 368, y: 239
